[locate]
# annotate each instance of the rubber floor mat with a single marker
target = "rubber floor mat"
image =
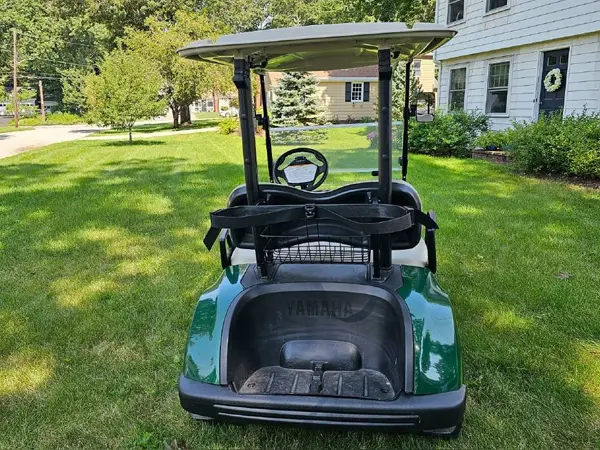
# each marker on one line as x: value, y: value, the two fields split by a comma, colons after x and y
x: 363, y: 383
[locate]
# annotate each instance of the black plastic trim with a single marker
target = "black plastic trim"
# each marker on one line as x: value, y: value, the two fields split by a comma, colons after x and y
x: 430, y: 243
x: 406, y: 413
x: 224, y: 244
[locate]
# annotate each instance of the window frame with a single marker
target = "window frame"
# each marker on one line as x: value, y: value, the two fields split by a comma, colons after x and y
x: 489, y: 63
x: 362, y: 90
x: 487, y: 11
x: 450, y: 69
x: 462, y: 19
x: 417, y: 75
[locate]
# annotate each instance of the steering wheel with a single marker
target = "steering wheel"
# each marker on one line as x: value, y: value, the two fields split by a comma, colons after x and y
x: 301, y: 172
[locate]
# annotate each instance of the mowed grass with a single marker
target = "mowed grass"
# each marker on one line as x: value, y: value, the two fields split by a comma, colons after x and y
x: 12, y: 129
x: 102, y: 261
x: 204, y: 121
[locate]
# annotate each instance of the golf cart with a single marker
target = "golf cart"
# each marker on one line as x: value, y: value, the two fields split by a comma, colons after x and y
x: 327, y: 312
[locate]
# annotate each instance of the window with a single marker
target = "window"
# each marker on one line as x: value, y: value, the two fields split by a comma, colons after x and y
x: 455, y: 10
x: 495, y: 4
x: 458, y: 84
x: 416, y: 65
x: 564, y: 59
x: 497, y: 92
x: 357, y: 92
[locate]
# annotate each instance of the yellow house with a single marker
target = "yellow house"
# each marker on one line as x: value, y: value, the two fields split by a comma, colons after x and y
x: 352, y: 93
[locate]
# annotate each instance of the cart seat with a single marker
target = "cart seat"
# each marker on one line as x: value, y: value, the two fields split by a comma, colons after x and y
x: 407, y: 246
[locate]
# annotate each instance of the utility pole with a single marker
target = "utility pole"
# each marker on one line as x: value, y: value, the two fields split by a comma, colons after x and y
x: 42, y: 104
x: 15, y: 93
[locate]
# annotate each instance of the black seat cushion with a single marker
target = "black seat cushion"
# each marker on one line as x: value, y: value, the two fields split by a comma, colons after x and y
x: 403, y: 194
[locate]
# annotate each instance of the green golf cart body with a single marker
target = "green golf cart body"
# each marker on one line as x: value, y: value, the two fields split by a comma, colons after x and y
x: 327, y: 312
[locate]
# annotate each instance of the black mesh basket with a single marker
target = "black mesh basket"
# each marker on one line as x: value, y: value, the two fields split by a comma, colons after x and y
x: 316, y: 241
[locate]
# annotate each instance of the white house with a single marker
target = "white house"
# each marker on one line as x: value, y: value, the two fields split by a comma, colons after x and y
x: 505, y: 49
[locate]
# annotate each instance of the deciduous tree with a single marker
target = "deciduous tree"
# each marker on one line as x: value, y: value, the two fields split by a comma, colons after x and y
x: 125, y: 91
x: 183, y: 81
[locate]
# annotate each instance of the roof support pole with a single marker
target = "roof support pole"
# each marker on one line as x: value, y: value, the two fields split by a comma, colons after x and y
x: 405, y: 124
x: 241, y: 79
x: 266, y: 126
x: 385, y: 147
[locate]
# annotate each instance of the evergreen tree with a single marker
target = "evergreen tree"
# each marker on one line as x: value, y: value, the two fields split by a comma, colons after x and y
x: 296, y: 101
x: 398, y: 84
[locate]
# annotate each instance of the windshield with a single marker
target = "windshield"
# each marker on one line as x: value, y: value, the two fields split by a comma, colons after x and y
x: 351, y: 150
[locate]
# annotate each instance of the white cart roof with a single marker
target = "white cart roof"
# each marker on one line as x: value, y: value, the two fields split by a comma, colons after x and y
x: 321, y: 47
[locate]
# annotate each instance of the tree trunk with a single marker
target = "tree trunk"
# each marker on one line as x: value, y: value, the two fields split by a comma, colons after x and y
x: 175, y: 112
x: 130, y: 137
x: 216, y: 101
x: 184, y: 115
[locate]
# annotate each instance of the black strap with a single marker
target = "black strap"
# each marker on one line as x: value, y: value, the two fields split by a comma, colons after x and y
x: 390, y: 218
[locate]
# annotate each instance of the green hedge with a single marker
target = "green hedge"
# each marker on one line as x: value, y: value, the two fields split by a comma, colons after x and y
x: 57, y: 118
x: 553, y: 145
x: 451, y: 134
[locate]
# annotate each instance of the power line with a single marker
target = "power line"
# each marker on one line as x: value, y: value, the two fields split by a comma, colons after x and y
x: 62, y: 40
x: 35, y: 77
x: 58, y: 61
x: 41, y: 74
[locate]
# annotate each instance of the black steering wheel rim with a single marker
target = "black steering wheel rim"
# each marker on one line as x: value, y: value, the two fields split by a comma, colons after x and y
x: 320, y: 176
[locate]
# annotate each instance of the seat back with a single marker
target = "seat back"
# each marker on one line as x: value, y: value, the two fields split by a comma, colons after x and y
x: 403, y: 194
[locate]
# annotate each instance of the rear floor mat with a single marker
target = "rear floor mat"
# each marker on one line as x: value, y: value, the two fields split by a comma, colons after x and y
x: 363, y: 383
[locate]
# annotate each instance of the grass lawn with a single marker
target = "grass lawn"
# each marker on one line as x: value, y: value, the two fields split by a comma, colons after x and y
x: 11, y: 129
x: 204, y: 122
x: 101, y: 263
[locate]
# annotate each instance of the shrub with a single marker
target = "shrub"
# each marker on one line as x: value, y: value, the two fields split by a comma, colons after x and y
x: 229, y: 125
x: 224, y: 108
x: 451, y: 134
x: 57, y: 118
x: 569, y: 146
x: 494, y: 140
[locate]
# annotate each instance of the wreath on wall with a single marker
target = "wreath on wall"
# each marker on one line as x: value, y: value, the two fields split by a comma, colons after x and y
x: 553, y: 80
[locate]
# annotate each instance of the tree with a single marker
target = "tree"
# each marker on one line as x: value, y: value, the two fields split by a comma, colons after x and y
x: 72, y: 83
x: 398, y: 89
x: 409, y: 11
x: 183, y: 80
x: 126, y: 91
x: 296, y: 101
x: 50, y: 38
x: 244, y: 15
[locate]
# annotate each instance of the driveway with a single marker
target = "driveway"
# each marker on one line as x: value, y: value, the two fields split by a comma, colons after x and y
x: 20, y: 141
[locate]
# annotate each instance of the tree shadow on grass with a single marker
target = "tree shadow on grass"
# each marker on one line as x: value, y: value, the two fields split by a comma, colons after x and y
x: 100, y: 278
x: 99, y: 274
x: 134, y: 143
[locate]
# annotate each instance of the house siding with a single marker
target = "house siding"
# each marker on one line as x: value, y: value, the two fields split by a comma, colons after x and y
x: 427, y: 78
x: 332, y: 98
x: 331, y: 89
x: 525, y: 22
x: 582, y: 85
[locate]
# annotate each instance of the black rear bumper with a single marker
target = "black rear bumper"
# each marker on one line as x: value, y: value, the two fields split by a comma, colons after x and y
x: 406, y: 413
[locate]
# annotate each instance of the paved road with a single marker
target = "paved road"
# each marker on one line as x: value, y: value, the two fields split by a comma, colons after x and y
x: 20, y: 141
